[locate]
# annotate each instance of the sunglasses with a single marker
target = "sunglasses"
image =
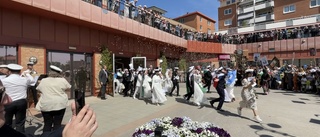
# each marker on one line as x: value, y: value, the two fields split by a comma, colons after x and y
x: 2, y: 92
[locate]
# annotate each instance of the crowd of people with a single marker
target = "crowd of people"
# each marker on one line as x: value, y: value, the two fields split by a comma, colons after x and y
x: 151, y: 84
x: 52, y: 103
x: 304, y: 79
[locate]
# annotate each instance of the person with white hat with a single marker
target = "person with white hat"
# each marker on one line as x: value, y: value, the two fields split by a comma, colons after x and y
x: 16, y: 88
x: 249, y: 99
x: 32, y: 87
x: 208, y: 78
x: 3, y: 71
x: 77, y: 127
x: 158, y: 95
x: 118, y: 80
x: 53, y: 100
x: 189, y: 84
x: 220, y: 88
x: 175, y: 81
x: 139, y: 83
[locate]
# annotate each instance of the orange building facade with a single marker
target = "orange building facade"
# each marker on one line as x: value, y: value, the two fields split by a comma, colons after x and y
x: 199, y: 21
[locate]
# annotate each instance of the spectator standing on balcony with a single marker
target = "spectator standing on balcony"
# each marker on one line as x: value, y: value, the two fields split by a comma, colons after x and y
x: 143, y: 14
x: 139, y: 9
x: 133, y: 9
x: 177, y: 30
x: 126, y: 8
x: 168, y: 26
x: 116, y: 6
x: 156, y: 22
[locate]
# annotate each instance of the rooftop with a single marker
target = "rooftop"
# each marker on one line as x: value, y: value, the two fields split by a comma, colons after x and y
x: 196, y: 13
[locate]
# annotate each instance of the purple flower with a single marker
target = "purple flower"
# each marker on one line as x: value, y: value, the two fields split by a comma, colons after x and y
x: 144, y: 131
x: 177, y: 121
x: 199, y: 130
x: 219, y: 131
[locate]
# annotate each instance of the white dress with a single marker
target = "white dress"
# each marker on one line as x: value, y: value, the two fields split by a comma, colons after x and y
x: 248, y: 96
x: 198, y: 96
x: 158, y: 96
x: 146, y: 86
x: 168, y: 83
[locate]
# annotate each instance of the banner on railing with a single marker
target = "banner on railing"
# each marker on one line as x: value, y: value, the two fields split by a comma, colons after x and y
x: 224, y: 57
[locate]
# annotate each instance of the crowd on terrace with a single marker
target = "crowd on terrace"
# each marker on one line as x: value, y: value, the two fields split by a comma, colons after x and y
x: 143, y: 14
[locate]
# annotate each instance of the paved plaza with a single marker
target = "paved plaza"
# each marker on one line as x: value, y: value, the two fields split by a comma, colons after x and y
x: 283, y: 113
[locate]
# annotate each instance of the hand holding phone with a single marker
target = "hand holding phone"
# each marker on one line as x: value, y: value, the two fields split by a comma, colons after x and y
x: 79, y: 100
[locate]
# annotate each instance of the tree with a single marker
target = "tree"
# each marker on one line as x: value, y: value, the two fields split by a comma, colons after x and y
x: 106, y: 59
x: 164, y: 64
x: 183, y: 64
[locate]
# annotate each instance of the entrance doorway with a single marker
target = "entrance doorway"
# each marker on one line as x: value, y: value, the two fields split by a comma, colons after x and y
x: 76, y: 68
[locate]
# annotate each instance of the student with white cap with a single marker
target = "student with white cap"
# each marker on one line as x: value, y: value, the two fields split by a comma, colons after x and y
x: 53, y: 100
x: 175, y: 81
x: 77, y: 127
x: 32, y: 87
x: 208, y: 78
x: 190, y: 84
x: 158, y: 96
x: 3, y: 71
x: 139, y: 83
x: 249, y: 99
x: 16, y: 88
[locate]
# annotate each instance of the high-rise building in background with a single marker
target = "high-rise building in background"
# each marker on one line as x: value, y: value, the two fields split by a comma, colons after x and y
x: 265, y: 14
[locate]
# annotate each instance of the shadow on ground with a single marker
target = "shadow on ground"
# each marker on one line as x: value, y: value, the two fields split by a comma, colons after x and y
x: 268, y: 127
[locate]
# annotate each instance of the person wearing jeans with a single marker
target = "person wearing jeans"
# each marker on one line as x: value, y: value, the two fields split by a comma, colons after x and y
x: 53, y: 100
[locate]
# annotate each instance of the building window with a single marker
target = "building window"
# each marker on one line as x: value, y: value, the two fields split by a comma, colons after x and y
x: 181, y: 20
x: 200, y: 27
x: 289, y: 9
x: 209, y: 23
x: 200, y: 19
x: 314, y: 3
x: 227, y: 11
x: 230, y: 2
x: 8, y: 54
x: 227, y: 22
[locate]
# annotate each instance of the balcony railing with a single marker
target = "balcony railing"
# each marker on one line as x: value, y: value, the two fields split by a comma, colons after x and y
x: 267, y: 4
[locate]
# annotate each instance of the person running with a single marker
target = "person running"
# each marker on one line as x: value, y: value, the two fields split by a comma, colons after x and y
x: 249, y: 99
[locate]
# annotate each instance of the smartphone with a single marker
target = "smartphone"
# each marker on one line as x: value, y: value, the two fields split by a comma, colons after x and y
x: 79, y: 100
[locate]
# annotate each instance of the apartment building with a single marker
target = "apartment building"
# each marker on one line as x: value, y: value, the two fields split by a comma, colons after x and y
x: 252, y: 13
x: 199, y: 21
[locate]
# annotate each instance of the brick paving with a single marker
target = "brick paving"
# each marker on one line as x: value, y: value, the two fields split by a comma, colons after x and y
x: 283, y: 113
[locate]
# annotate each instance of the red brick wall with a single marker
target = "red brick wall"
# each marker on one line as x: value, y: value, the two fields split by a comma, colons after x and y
x: 223, y: 17
x: 302, y: 9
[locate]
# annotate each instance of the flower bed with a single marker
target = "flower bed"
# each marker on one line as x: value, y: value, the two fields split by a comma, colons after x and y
x: 180, y: 127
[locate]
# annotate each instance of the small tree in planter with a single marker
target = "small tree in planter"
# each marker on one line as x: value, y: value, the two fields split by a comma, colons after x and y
x: 106, y: 59
x: 164, y: 64
x: 183, y: 64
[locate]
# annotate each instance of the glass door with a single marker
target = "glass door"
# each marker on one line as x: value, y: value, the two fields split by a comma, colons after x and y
x: 76, y: 70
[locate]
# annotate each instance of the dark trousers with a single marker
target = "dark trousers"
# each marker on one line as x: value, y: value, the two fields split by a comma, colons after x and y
x: 103, y: 90
x: 188, y: 95
x: 208, y: 84
x: 34, y: 94
x: 175, y: 84
x: 221, y: 97
x: 127, y: 88
x: 52, y: 117
x: 18, y: 109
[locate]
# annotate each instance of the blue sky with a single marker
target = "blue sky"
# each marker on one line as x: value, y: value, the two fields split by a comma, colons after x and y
x: 177, y: 8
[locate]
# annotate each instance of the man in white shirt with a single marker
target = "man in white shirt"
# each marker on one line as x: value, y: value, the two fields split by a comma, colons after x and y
x: 16, y: 88
x: 30, y: 70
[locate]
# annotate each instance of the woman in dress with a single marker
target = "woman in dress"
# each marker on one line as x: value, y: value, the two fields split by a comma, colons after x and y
x: 158, y: 96
x: 146, y: 84
x: 168, y: 82
x: 198, y: 96
x: 249, y: 99
x: 53, y: 100
x: 139, y: 84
